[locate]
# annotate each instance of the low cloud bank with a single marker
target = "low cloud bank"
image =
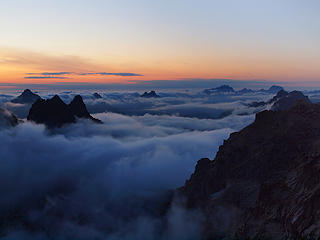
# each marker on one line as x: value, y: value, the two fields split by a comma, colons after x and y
x: 88, y: 186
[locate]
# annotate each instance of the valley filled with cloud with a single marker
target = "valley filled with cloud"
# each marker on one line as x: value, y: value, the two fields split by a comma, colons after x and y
x: 114, y: 180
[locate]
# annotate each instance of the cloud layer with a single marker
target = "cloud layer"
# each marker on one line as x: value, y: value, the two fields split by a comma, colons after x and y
x: 112, y: 180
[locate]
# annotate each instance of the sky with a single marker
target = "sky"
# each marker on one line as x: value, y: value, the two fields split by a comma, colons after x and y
x: 125, y: 41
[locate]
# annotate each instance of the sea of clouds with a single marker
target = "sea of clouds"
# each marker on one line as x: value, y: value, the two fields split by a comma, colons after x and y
x: 113, y: 180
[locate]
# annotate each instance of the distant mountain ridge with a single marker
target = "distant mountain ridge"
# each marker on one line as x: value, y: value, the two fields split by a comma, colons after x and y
x: 226, y: 89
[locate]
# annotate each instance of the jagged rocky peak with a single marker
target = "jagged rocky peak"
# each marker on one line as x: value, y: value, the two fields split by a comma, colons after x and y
x: 79, y: 109
x: 151, y: 94
x: 222, y: 89
x: 97, y: 96
x: 51, y: 112
x: 264, y: 180
x: 55, y: 113
x: 7, y: 119
x: 27, y: 96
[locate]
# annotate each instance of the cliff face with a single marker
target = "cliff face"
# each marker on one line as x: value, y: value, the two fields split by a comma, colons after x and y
x: 265, y: 180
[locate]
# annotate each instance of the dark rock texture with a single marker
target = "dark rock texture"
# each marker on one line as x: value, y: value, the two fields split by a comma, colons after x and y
x: 264, y: 182
x: 151, y: 94
x: 26, y: 97
x: 55, y: 113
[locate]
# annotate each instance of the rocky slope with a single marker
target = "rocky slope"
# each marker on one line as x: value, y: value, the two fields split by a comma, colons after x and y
x: 265, y: 180
x: 55, y: 113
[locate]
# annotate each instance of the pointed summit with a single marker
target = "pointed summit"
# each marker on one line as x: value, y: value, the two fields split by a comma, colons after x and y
x: 79, y: 109
x: 27, y: 96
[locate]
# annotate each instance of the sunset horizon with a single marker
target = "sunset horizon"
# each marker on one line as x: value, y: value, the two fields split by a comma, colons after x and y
x: 160, y: 120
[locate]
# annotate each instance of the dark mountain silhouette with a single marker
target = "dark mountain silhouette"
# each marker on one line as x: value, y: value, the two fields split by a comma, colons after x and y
x: 151, y: 94
x: 55, y: 113
x: 79, y: 109
x: 27, y: 96
x: 52, y: 112
x: 221, y: 89
x: 97, y: 95
x: 264, y: 180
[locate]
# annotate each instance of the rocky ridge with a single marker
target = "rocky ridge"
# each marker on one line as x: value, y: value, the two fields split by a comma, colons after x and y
x: 55, y: 113
x: 264, y: 182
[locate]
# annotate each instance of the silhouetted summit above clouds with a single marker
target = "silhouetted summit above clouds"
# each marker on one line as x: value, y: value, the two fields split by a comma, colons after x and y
x: 27, y: 96
x: 55, y: 113
x: 151, y: 94
x: 79, y: 109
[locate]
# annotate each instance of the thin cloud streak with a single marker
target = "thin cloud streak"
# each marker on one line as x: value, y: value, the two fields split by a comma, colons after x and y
x: 44, y: 77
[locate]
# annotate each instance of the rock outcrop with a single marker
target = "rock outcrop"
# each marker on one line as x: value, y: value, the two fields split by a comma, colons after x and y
x: 264, y: 182
x: 26, y: 97
x: 55, y: 113
x: 151, y: 94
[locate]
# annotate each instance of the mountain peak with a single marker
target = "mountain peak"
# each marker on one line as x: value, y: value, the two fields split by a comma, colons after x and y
x: 26, y: 97
x: 151, y: 94
x: 55, y: 113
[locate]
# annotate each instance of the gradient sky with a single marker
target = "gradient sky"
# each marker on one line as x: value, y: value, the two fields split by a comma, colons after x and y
x: 120, y: 40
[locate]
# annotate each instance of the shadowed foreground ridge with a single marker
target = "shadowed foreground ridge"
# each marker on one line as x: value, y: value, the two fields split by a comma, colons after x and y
x: 265, y: 180
x: 55, y: 113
